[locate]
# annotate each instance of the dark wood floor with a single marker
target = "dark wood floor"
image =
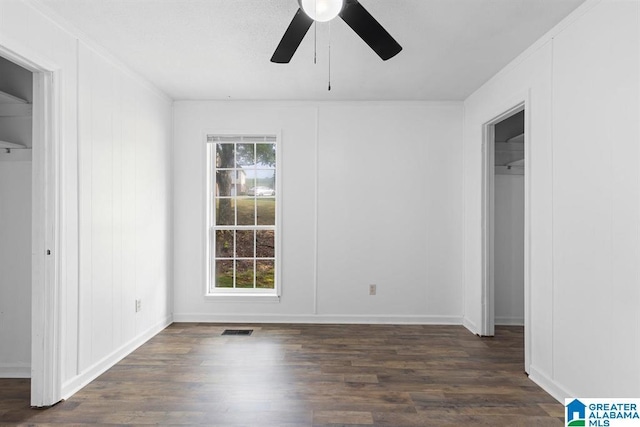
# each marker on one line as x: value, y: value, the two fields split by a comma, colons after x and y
x: 303, y: 375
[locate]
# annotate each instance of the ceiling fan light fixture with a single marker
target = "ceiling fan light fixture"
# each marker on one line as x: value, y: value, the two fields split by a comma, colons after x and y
x: 351, y: 12
x: 322, y: 10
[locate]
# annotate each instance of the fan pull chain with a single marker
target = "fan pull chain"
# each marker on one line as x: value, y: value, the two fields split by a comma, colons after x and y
x: 329, y: 88
x: 315, y: 36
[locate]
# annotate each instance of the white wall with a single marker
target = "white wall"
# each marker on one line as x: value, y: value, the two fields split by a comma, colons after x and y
x: 595, y: 201
x: 509, y: 250
x: 115, y: 194
x: 388, y: 210
x: 124, y: 194
x: 582, y: 84
x: 15, y: 267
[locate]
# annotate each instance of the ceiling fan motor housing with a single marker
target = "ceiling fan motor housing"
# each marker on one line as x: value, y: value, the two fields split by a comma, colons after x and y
x: 321, y: 10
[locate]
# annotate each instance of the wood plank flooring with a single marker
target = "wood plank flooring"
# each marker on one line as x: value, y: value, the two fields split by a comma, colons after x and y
x: 306, y: 375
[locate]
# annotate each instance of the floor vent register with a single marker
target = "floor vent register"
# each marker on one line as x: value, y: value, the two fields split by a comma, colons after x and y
x: 237, y: 332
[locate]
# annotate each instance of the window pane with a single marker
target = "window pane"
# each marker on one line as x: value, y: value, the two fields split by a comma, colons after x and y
x: 244, y: 243
x: 244, y: 274
x: 249, y: 184
x: 266, y: 179
x: 245, y: 154
x: 238, y: 182
x: 266, y: 211
x: 224, y: 183
x: 266, y: 154
x: 224, y: 244
x: 265, y: 244
x: 225, y: 156
x: 261, y: 191
x: 246, y: 212
x: 265, y: 274
x: 224, y: 274
x: 225, y: 212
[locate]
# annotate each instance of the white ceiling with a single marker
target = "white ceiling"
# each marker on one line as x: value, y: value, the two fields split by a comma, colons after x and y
x: 220, y: 49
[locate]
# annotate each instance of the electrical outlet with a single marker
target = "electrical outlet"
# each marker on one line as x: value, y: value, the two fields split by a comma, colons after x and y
x: 372, y: 289
x: 138, y: 305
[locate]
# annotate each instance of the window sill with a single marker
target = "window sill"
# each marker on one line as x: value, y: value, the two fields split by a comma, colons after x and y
x: 244, y: 297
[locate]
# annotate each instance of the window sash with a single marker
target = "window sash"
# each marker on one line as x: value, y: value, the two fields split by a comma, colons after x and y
x: 244, y: 263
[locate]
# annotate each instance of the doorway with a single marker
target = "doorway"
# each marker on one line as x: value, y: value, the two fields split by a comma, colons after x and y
x: 40, y: 297
x: 16, y: 100
x: 505, y: 223
x: 508, y: 231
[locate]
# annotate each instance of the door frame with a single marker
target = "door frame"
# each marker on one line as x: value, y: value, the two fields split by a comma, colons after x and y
x: 487, y: 323
x: 46, y: 366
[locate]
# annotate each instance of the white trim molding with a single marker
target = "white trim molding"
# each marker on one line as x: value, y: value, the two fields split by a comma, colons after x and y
x: 241, y: 297
x: 45, y: 250
x: 471, y: 326
x: 386, y: 319
x: 15, y: 370
x: 509, y: 321
x: 557, y: 391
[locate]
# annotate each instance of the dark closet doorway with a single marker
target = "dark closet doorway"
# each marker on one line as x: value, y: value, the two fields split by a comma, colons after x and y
x: 16, y: 125
x: 505, y: 223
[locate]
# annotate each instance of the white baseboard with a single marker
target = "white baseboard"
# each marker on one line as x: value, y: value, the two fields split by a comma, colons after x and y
x: 550, y: 386
x: 15, y: 370
x: 70, y: 387
x: 318, y: 318
x: 470, y: 326
x: 509, y: 321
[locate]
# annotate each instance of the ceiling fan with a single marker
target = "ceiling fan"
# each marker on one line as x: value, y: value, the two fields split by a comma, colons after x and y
x: 351, y: 12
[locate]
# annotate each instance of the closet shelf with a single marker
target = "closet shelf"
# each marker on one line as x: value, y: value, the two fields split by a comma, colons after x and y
x: 13, y: 106
x: 7, y: 98
x: 12, y: 145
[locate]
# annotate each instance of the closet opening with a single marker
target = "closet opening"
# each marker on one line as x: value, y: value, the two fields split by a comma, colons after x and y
x: 505, y: 224
x: 30, y: 223
x: 16, y: 142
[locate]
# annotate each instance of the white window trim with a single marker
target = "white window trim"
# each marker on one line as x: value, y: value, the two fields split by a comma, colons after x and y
x: 235, y: 294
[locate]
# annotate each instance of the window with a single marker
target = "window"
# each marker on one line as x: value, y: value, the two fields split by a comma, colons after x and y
x: 242, y: 215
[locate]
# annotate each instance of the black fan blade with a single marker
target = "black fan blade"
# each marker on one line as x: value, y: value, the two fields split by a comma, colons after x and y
x: 292, y: 38
x: 370, y: 30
